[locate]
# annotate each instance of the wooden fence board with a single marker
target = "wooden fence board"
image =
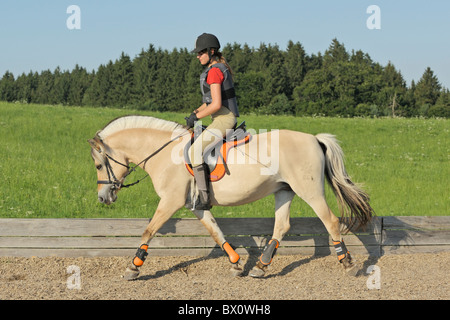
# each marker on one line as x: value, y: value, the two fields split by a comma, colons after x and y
x: 133, y: 227
x: 109, y: 237
x: 415, y: 235
x: 414, y: 222
x: 176, y: 242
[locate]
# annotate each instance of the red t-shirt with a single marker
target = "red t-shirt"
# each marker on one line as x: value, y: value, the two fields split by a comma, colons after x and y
x: 214, y: 76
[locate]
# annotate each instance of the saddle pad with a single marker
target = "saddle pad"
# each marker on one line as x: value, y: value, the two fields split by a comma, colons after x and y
x: 217, y: 160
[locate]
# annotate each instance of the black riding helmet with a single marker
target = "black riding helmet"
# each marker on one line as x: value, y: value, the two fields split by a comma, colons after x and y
x: 206, y: 41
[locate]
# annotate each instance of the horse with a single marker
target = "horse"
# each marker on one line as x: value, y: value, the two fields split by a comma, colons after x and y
x: 292, y: 163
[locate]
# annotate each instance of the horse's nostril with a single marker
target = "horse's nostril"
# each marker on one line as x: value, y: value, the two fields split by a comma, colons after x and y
x: 100, y: 199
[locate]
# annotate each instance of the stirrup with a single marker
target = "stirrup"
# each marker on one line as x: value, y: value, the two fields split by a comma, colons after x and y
x: 199, y: 205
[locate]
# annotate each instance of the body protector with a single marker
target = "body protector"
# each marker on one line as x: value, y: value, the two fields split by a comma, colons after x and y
x: 228, y: 94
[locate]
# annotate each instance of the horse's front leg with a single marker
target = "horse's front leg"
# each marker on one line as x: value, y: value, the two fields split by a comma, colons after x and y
x: 283, y: 200
x: 207, y: 219
x: 165, y: 210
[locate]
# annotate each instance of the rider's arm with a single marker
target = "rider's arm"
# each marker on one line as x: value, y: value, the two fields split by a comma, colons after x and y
x: 206, y: 110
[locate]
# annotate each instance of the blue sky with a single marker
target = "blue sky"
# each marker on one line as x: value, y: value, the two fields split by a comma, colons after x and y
x: 34, y: 36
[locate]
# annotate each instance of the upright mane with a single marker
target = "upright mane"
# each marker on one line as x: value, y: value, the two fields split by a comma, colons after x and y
x: 138, y: 122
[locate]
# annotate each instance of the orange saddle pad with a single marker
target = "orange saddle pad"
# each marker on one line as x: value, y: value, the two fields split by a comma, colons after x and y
x: 217, y: 160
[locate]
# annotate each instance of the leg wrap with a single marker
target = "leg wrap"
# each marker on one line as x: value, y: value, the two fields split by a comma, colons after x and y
x: 341, y: 249
x: 232, y: 255
x: 269, y: 252
x: 141, y: 255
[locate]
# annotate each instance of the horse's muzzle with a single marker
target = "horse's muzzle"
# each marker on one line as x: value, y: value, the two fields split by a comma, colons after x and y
x: 107, y: 194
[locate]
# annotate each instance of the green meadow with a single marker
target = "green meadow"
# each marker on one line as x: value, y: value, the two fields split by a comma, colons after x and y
x: 46, y: 170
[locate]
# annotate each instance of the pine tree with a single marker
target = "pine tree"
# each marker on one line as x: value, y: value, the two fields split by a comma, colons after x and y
x: 145, y: 71
x: 336, y: 52
x: 442, y: 106
x: 99, y: 92
x: 260, y: 58
x: 295, y: 66
x: 44, y: 87
x: 427, y: 89
x: 8, y: 90
x: 238, y: 57
x: 122, y: 82
x: 276, y: 81
x: 26, y: 85
x: 250, y: 91
x: 393, y: 91
x: 79, y: 82
x: 192, y: 98
x: 62, y: 83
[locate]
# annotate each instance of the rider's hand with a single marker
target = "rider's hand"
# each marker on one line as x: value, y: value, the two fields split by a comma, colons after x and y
x: 190, y: 121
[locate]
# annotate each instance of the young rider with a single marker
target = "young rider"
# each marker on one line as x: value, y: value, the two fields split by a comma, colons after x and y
x: 219, y: 102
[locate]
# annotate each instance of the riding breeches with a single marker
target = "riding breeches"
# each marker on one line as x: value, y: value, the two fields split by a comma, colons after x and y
x: 222, y: 121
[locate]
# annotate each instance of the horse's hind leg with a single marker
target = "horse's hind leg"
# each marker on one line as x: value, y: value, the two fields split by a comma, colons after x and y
x: 331, y: 223
x: 207, y: 219
x: 312, y: 191
x: 283, y: 200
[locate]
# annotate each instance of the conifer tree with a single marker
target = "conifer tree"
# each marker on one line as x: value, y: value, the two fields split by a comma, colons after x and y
x: 427, y: 89
x: 8, y: 90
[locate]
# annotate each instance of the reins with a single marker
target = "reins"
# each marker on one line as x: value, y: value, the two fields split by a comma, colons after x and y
x: 116, y: 183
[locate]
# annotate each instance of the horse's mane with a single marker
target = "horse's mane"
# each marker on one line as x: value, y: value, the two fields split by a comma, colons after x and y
x: 138, y: 122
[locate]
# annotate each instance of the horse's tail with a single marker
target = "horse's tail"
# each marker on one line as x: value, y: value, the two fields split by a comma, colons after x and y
x: 353, y: 201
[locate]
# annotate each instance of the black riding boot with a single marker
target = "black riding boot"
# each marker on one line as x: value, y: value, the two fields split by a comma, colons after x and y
x: 201, y: 174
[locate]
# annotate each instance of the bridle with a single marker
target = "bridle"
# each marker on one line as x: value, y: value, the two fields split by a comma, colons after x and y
x: 116, y: 183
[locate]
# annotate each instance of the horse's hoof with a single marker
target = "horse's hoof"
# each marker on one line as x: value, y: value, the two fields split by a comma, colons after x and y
x: 352, y: 270
x: 236, y: 270
x: 257, y: 272
x: 131, y: 274
x: 350, y: 266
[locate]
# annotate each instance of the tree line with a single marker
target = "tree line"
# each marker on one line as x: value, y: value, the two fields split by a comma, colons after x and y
x: 268, y: 80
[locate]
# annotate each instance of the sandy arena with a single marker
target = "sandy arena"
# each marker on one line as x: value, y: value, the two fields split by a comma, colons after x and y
x: 414, y: 276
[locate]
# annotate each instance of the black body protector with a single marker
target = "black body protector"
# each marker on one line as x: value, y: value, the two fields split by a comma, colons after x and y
x: 228, y: 93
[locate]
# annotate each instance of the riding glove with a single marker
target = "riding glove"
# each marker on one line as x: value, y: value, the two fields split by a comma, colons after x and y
x: 190, y: 121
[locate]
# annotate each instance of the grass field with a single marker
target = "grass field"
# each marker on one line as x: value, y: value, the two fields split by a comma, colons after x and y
x: 46, y: 170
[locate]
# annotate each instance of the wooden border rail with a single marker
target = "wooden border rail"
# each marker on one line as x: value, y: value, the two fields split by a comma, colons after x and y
x: 188, y: 237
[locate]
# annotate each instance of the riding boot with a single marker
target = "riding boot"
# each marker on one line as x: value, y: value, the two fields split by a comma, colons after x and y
x: 201, y: 174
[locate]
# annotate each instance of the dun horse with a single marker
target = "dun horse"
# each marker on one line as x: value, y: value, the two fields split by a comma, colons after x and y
x: 303, y: 163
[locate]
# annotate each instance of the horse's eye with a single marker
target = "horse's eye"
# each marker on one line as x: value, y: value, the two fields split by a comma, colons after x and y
x: 99, y: 167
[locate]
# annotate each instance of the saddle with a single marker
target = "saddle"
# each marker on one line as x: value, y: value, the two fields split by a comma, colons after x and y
x: 215, y: 155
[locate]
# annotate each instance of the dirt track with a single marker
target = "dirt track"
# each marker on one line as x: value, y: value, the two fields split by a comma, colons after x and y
x: 417, y: 276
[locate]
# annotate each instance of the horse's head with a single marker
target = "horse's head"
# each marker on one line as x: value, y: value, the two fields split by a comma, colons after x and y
x: 111, y: 172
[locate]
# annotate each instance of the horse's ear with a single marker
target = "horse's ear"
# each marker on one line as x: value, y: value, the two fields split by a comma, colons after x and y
x: 95, y: 144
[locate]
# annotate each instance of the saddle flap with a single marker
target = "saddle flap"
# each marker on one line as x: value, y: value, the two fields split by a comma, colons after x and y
x: 219, y: 149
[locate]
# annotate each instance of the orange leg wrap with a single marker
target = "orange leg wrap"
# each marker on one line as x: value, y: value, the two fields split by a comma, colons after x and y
x: 232, y: 255
x: 141, y: 254
x: 341, y: 249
